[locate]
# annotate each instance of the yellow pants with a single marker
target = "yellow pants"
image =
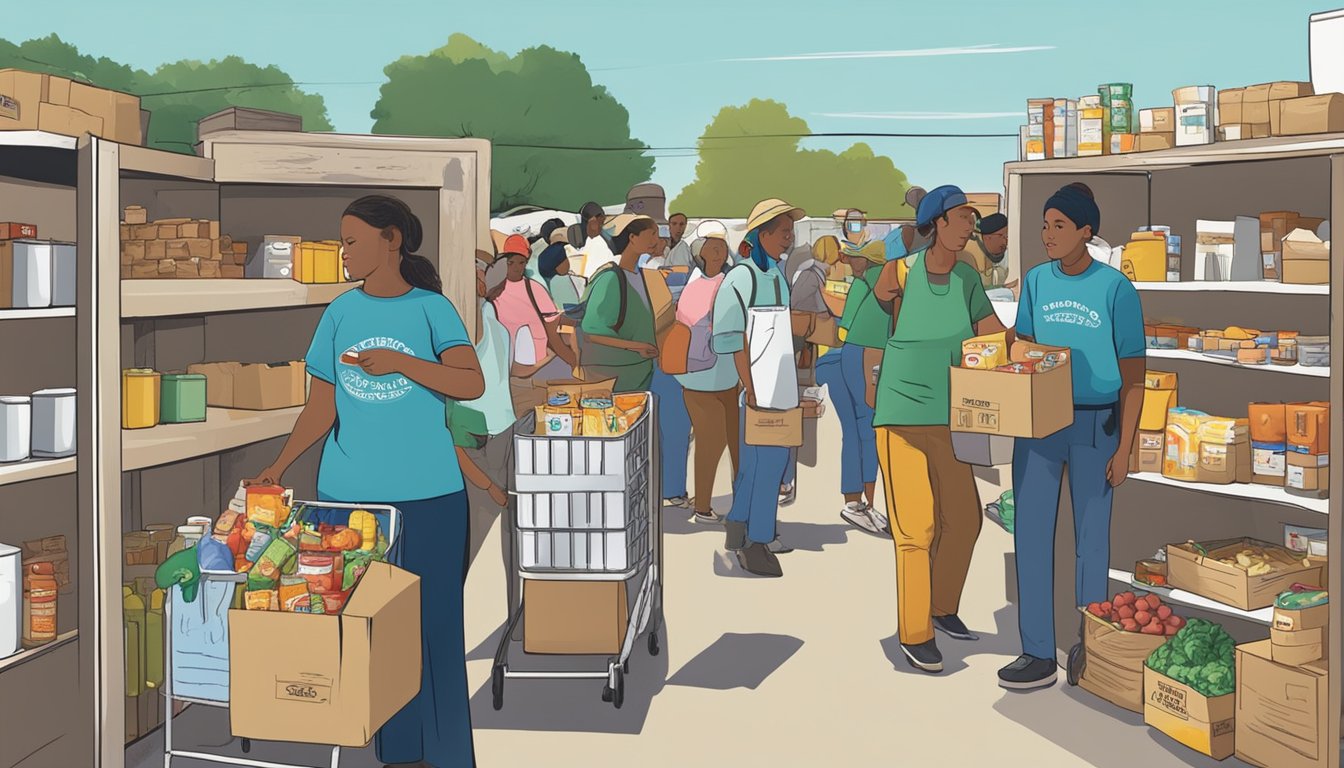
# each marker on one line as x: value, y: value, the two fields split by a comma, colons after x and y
x: 934, y: 509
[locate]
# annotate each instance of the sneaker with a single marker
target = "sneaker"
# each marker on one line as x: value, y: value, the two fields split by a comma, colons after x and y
x: 779, y: 547
x: 880, y: 520
x: 709, y: 518
x: 924, y: 656
x: 856, y: 514
x: 736, y: 538
x: 680, y: 502
x: 759, y: 560
x: 1028, y: 673
x: 788, y: 494
x: 953, y: 627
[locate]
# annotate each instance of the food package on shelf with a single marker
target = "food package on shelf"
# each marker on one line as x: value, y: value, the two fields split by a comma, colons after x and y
x: 1269, y: 443
x: 1190, y: 688
x: 1118, y: 637
x: 1224, y: 451
x: 1242, y: 573
x: 1305, y: 259
x: 1181, y: 461
x: 1307, y: 457
x: 1300, y: 632
x: 1215, y: 249
x: 1323, y: 113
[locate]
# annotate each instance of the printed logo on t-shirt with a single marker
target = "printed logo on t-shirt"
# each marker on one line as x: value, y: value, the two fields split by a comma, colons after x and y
x: 373, y: 389
x: 1070, y: 313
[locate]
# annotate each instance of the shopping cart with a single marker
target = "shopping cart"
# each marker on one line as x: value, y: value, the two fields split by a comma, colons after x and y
x: 196, y: 638
x: 587, y: 510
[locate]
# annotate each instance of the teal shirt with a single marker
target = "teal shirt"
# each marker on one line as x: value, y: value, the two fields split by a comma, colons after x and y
x: 729, y: 321
x: 719, y: 378
x: 390, y: 442
x: 491, y: 413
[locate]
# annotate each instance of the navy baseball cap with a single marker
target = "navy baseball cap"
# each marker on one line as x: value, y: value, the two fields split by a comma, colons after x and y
x: 938, y: 202
x: 993, y: 223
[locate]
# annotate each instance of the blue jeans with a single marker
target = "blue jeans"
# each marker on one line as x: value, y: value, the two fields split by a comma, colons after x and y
x: 1086, y: 447
x: 436, y: 725
x: 756, y: 487
x: 841, y: 370
x: 674, y: 433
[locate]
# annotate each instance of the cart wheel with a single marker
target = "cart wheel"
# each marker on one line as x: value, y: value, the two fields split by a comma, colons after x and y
x: 247, y: 746
x: 1077, y: 660
x: 497, y: 687
x: 618, y: 693
x: 654, y: 647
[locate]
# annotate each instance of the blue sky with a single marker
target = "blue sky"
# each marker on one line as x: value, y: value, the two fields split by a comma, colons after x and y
x: 889, y: 67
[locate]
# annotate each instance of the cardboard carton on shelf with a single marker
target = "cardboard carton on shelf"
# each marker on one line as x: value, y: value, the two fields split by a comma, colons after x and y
x: 1230, y: 105
x: 1161, y: 120
x: 254, y: 386
x: 1202, y: 723
x: 1260, y: 104
x: 993, y: 402
x: 1312, y: 114
x: 1282, y: 710
x: 1206, y: 576
x: 1152, y: 142
x: 1306, y: 258
x: 1243, y: 131
x: 337, y: 678
x: 574, y: 617
x: 1299, y: 647
x: 31, y: 101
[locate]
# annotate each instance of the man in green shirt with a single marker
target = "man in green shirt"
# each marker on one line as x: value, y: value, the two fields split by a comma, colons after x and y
x: 618, y: 319
x: 936, y: 303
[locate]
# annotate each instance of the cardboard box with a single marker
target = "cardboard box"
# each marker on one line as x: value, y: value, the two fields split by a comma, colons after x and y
x: 255, y: 387
x: 1115, y: 662
x: 1312, y: 114
x: 1282, y: 710
x: 1014, y: 404
x: 783, y: 429
x: 577, y: 390
x: 1298, y: 647
x: 120, y: 112
x: 56, y: 90
x: 135, y: 215
x: 1307, y: 427
x: 14, y: 231
x: 574, y: 617
x: 1206, y: 725
x: 1161, y: 120
x: 68, y: 121
x: 1302, y: 244
x: 1148, y: 448
x: 1230, y: 585
x: 1308, y: 473
x: 1160, y: 395
x: 1229, y: 105
x: 20, y: 95
x: 1152, y: 142
x: 1306, y: 618
x: 335, y: 679
x: 1242, y: 131
x: 1306, y: 272
x: 982, y: 450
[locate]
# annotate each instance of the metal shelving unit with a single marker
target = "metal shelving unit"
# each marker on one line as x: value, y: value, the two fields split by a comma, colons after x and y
x: 1177, y: 187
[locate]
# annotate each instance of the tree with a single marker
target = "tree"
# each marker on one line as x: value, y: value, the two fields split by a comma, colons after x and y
x: 733, y: 174
x: 537, y: 107
x: 177, y: 94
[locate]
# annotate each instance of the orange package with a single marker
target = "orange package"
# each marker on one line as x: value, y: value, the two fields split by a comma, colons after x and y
x: 1309, y: 429
x: 1269, y: 422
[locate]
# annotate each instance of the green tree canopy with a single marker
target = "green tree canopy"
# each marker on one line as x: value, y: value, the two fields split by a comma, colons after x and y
x: 177, y: 94
x: 539, y: 98
x: 734, y: 174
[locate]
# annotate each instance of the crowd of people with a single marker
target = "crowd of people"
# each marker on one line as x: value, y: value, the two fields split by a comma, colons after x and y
x: 633, y: 300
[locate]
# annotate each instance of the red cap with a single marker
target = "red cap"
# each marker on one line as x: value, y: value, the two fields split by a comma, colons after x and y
x: 516, y: 245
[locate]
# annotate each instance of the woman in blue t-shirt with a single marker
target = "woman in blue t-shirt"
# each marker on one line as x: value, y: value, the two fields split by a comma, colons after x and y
x: 384, y: 359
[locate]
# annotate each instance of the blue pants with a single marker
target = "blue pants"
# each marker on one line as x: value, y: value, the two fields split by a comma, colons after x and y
x: 436, y: 725
x: 841, y: 370
x: 1087, y: 447
x: 756, y: 487
x: 674, y: 433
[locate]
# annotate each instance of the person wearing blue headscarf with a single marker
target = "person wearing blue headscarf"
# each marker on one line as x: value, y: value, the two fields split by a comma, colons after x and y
x: 554, y: 267
x: 1092, y: 309
x: 750, y: 525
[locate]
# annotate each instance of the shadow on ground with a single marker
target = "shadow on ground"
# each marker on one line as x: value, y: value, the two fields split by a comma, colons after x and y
x: 206, y: 729
x: 1003, y: 642
x: 737, y: 661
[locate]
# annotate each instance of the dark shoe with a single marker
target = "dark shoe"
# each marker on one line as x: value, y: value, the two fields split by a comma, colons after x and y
x: 757, y: 559
x: 1028, y: 673
x: 952, y: 626
x: 924, y: 656
x: 736, y: 538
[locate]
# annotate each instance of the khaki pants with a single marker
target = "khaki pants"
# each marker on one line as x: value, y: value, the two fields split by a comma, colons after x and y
x: 495, y: 458
x: 934, y: 509
x: 714, y: 422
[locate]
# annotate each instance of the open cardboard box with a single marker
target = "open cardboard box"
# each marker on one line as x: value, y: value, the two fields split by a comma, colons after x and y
x: 1014, y: 404
x: 1205, y: 576
x: 332, y: 679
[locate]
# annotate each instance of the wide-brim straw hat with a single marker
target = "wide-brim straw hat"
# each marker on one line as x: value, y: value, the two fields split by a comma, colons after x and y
x: 617, y: 224
x: 768, y: 210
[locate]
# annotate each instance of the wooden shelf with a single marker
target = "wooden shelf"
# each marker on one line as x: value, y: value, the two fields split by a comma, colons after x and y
x: 36, y: 469
x: 36, y: 314
x: 1210, y: 286
x: 164, y: 298
x: 222, y: 430
x: 1281, y: 147
x: 1265, y: 493
x: 23, y: 657
x: 1195, y: 357
x: 1263, y: 616
x: 171, y: 164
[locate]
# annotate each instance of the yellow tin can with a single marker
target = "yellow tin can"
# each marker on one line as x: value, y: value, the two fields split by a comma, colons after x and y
x: 140, y: 392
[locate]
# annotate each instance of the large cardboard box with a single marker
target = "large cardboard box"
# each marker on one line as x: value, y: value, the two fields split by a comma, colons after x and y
x: 1312, y: 114
x: 327, y: 679
x: 20, y: 95
x: 1014, y: 404
x: 574, y: 617
x: 1259, y: 104
x: 254, y: 386
x: 120, y: 112
x: 781, y: 429
x: 1151, y: 142
x: 1300, y: 272
x: 1206, y: 725
x: 1161, y: 120
x: 68, y: 121
x: 1282, y: 710
x: 1115, y: 662
x: 1205, y: 576
x: 1230, y: 105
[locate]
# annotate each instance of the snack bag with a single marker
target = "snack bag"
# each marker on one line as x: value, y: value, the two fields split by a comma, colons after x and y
x: 985, y: 353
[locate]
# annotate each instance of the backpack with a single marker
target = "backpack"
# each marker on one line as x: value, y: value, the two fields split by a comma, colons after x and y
x: 893, y: 308
x: 577, y: 312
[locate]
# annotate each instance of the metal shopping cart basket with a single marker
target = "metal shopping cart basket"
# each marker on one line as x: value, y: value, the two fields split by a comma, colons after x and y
x: 196, y: 638
x: 587, y: 510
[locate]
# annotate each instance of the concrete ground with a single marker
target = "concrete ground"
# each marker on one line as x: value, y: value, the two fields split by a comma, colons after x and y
x: 799, y: 671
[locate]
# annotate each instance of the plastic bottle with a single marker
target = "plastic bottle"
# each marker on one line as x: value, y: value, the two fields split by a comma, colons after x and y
x: 133, y: 616
x: 154, y: 640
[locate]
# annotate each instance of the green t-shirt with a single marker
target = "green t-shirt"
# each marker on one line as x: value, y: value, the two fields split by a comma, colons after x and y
x: 912, y: 389
x: 602, y: 310
x: 866, y: 324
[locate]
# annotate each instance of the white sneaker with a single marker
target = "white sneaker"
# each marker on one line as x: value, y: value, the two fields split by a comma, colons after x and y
x: 788, y: 494
x: 880, y: 520
x: 856, y: 514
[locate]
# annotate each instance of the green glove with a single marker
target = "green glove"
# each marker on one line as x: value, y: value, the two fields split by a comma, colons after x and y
x: 181, y: 569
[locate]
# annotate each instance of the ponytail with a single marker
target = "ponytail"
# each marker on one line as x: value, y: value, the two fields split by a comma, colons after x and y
x: 385, y: 213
